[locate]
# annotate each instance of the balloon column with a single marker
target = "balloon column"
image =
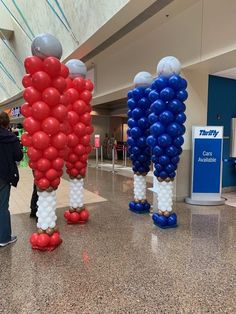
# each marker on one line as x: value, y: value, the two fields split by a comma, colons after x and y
x: 168, y: 93
x: 44, y: 113
x: 79, y: 90
x: 140, y: 153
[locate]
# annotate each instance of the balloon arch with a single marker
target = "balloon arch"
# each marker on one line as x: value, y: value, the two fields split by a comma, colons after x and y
x: 58, y: 128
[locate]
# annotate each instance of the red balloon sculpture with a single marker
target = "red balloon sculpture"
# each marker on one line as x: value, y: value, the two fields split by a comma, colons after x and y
x: 44, y: 111
x: 79, y: 129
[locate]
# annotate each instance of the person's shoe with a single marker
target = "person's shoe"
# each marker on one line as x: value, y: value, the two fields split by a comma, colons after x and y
x: 13, y: 239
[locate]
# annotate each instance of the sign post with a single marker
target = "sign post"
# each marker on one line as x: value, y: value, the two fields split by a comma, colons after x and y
x: 207, y: 147
x: 97, y: 146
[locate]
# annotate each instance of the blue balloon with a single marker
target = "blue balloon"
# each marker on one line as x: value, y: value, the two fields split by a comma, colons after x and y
x: 152, y: 118
x: 179, y: 150
x: 142, y: 169
x: 129, y: 132
x: 131, y: 104
x: 153, y: 96
x: 175, y: 82
x: 141, y: 142
x: 143, y: 103
x: 142, y: 123
x: 132, y: 123
x: 135, y: 169
x: 180, y: 118
x: 160, y: 220
x: 175, y: 160
x: 164, y: 160
x: 170, y: 168
x: 172, y: 219
x: 184, y: 83
x: 146, y: 206
x: 182, y: 95
x: 158, y: 106
x: 157, y: 129
x: 142, y: 158
x: 151, y: 141
x: 132, y: 157
x: 171, y: 151
x: 137, y: 93
x: 183, y: 129
x: 178, y: 141
x: 147, y: 151
x: 172, y: 175
x: 132, y: 205
x: 130, y: 93
x: 157, y: 151
x: 175, y: 106
x: 137, y: 113
x: 167, y: 94
x: 129, y: 113
x: 136, y: 151
x: 158, y: 167
x: 139, y: 207
x: 136, y: 132
x: 156, y: 173
x: 163, y: 174
x: 159, y: 83
x: 137, y: 164
x: 166, y: 117
x: 164, y: 140
x: 147, y: 91
x: 130, y: 141
x: 146, y: 167
x: 174, y: 129
x: 154, y: 159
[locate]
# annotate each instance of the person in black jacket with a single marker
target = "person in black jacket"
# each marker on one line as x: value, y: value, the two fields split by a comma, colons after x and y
x: 10, y: 152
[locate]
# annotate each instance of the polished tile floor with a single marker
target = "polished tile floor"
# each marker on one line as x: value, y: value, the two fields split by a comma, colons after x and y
x: 121, y: 263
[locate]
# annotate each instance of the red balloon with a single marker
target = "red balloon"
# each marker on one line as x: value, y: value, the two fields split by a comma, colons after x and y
x: 88, y: 108
x: 43, y: 183
x: 86, y: 95
x: 89, y: 129
x: 50, y: 153
x: 79, y: 106
x: 51, y: 96
x: 79, y: 129
x: 82, y: 172
x: 69, y: 107
x: 52, y: 66
x: 40, y: 140
x: 79, y: 150
x: 55, y: 239
x: 73, y: 94
x: 79, y: 165
x: 55, y: 182
x: 84, y: 158
x: 69, y: 165
x: 85, y: 140
x: 72, y: 117
x: 79, y: 83
x: 72, y: 140
x: 59, y: 83
x: 50, y: 125
x: 38, y: 174
x: 88, y: 149
x: 74, y: 172
x: 34, y: 154
x: 65, y: 127
x: 27, y: 80
x: 26, y: 140
x: 86, y: 118
x: 31, y: 125
x: 64, y: 100
x: 33, y: 64
x: 74, y: 217
x: 64, y: 71
x: 43, y: 240
x: 72, y: 158
x: 59, y: 112
x: 34, y: 239
x: 58, y: 164
x: 31, y: 95
x: 32, y: 164
x: 84, y: 215
x: 41, y: 80
x: 59, y: 140
x: 69, y: 83
x: 64, y: 153
x: 26, y: 110
x: 89, y: 85
x: 51, y: 174
x: 67, y: 214
x: 40, y: 110
x: 43, y: 164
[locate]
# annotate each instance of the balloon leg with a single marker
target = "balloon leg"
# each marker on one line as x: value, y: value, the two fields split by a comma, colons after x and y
x: 164, y: 218
x: 77, y: 213
x: 140, y: 204
x: 47, y: 238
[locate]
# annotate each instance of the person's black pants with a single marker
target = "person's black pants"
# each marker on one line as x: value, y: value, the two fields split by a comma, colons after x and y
x: 5, y: 218
x: 33, y: 203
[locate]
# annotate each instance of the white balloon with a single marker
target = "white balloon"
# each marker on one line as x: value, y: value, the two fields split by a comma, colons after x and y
x: 168, y: 66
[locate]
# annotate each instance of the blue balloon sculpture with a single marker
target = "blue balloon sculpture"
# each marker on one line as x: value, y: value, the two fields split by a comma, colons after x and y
x: 167, y: 117
x: 138, y: 131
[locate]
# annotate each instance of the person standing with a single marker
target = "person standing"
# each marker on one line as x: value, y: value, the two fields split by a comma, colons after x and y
x: 10, y: 153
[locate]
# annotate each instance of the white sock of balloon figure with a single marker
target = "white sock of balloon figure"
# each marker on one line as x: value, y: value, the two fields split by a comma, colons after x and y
x: 76, y: 193
x: 164, y: 197
x: 139, y: 187
x: 46, y: 210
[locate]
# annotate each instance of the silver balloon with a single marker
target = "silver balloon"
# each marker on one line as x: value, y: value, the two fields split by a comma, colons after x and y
x: 46, y: 45
x: 143, y: 78
x: 76, y: 68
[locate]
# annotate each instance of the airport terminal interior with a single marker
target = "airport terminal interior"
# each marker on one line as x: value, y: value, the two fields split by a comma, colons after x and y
x: 124, y: 119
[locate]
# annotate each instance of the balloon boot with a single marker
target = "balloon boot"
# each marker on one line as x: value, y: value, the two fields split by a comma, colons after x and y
x: 164, y: 222
x: 139, y: 207
x: 45, y: 240
x: 76, y: 216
